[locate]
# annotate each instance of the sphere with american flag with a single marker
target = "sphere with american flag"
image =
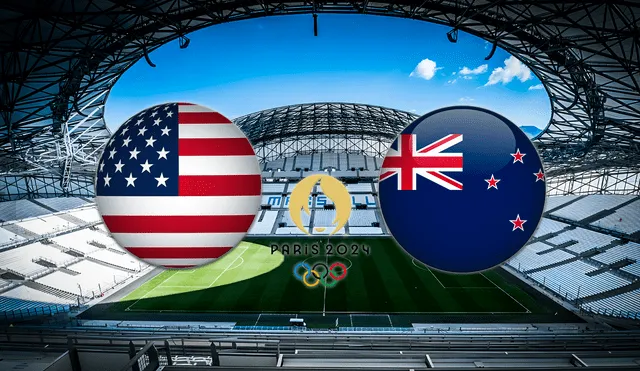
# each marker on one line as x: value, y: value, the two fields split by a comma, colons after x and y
x: 462, y: 189
x: 178, y: 185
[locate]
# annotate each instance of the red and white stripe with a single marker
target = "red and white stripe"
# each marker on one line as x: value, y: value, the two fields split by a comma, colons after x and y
x: 407, y: 162
x: 219, y: 193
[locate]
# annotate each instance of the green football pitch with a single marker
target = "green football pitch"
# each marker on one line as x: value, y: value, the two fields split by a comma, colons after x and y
x: 386, y: 281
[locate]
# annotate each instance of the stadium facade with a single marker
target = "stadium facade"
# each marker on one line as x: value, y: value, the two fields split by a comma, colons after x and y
x: 57, y: 258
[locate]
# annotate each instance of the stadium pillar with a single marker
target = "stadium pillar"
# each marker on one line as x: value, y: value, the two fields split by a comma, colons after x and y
x: 167, y: 350
x: 427, y: 361
x: 73, y: 356
x: 215, y: 359
x: 132, y: 353
x: 154, y: 359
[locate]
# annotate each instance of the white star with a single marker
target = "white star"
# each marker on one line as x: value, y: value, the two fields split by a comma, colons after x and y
x: 162, y: 153
x: 125, y: 142
x: 165, y: 131
x: 119, y: 166
x: 162, y: 180
x: 124, y: 131
x: 107, y: 179
x: 101, y: 166
x: 154, y: 114
x: 146, y: 166
x: 141, y: 131
x: 169, y: 114
x: 150, y: 142
x: 166, y: 107
x: 134, y: 153
x: 112, y: 153
x: 131, y: 180
x: 157, y: 121
x: 139, y: 122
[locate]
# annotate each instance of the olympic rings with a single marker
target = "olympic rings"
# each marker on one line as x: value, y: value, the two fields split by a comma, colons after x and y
x: 321, y: 273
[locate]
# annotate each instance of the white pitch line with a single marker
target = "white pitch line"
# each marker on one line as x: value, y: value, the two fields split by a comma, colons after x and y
x: 230, y: 264
x: 149, y: 292
x: 239, y: 265
x: 257, y: 320
x: 434, y: 276
x: 509, y: 295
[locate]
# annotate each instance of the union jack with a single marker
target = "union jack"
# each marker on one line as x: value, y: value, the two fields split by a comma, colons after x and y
x: 428, y: 162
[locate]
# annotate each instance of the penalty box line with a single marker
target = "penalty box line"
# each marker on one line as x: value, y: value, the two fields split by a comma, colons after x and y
x: 509, y: 295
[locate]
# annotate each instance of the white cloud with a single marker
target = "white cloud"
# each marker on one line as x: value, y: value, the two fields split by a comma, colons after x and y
x: 426, y: 69
x: 513, y: 68
x: 466, y: 99
x: 452, y: 81
x: 476, y: 71
x: 535, y: 87
x: 467, y: 77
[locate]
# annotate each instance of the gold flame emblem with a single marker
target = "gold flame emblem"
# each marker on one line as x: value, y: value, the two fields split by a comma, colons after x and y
x: 332, y: 188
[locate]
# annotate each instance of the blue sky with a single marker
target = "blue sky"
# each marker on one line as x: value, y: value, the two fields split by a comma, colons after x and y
x: 242, y: 67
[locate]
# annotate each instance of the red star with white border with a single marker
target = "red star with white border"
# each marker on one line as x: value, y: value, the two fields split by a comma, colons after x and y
x: 539, y: 175
x: 518, y: 156
x: 493, y: 182
x: 518, y: 223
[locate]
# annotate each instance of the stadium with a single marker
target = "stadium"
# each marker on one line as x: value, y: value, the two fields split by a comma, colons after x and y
x: 71, y: 298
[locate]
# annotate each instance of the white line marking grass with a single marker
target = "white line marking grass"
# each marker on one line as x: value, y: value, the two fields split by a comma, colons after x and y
x: 229, y: 266
x: 509, y: 295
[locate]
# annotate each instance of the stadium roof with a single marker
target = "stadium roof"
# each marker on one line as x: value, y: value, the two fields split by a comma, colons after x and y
x: 60, y: 58
x: 316, y: 127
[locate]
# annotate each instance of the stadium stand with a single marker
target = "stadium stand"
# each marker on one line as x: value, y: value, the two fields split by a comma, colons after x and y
x: 263, y: 224
x: 571, y: 279
x: 362, y: 218
x: 20, y: 209
x: 625, y: 219
x: 583, y: 240
x: 324, y: 218
x: 371, y: 164
x: 365, y: 231
x: 343, y: 163
x: 289, y: 231
x: 357, y: 161
x: 286, y: 218
x: 14, y: 299
x: 62, y: 203
x: 87, y: 214
x: 532, y: 257
x: 85, y: 278
x: 623, y: 305
x: 615, y: 254
x: 274, y: 165
x: 45, y: 224
x: 329, y: 160
x: 359, y: 187
x: 553, y: 202
x: 549, y: 226
x: 303, y: 162
x: 273, y: 187
x: 588, y: 206
x: 577, y: 263
x: 8, y: 237
x: 20, y: 261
